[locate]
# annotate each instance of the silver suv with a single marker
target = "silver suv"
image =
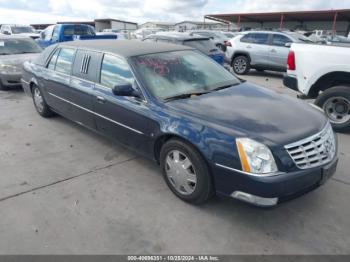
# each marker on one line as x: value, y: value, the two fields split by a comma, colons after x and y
x: 261, y: 50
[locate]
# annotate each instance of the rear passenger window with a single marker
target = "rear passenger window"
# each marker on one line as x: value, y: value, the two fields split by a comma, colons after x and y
x: 115, y: 71
x: 280, y: 40
x: 255, y: 38
x: 65, y: 60
x: 53, y: 60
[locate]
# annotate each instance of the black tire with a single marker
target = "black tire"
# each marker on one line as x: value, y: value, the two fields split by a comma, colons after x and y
x: 241, y: 65
x: 43, y: 110
x: 329, y: 99
x: 203, y: 190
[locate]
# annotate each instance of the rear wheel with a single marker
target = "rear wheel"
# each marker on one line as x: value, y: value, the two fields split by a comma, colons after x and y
x: 241, y: 65
x: 186, y: 172
x: 336, y: 104
x: 40, y: 104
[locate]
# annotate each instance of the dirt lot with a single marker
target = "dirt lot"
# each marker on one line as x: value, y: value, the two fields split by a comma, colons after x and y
x: 64, y: 189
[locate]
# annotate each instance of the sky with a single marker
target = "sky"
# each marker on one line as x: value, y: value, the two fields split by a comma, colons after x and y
x: 140, y: 11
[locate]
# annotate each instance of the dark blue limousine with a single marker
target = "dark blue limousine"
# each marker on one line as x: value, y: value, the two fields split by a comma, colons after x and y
x: 209, y: 131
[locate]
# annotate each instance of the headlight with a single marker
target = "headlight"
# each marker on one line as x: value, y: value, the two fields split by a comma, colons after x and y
x: 255, y: 157
x: 9, y: 68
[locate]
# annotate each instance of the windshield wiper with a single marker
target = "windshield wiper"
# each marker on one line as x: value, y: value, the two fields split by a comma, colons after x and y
x: 185, y: 95
x: 224, y: 87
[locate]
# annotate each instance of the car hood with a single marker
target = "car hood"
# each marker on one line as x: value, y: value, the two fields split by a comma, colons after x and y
x: 32, y: 35
x: 18, y: 59
x: 255, y: 112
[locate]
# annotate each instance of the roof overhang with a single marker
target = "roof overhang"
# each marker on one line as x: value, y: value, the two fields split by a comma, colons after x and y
x: 300, y: 16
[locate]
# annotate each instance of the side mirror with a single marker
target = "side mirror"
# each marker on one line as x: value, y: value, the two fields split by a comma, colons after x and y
x: 288, y: 45
x: 125, y: 90
x: 6, y: 33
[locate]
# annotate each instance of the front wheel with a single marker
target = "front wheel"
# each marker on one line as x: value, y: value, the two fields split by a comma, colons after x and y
x: 336, y: 104
x: 40, y: 104
x: 186, y: 172
x: 241, y: 65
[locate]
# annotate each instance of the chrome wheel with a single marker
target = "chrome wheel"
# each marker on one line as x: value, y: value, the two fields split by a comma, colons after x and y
x: 240, y: 65
x: 38, y: 100
x: 337, y: 110
x: 181, y: 172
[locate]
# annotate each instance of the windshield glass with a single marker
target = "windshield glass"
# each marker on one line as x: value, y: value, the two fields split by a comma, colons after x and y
x: 301, y: 38
x: 18, y: 46
x: 22, y: 29
x: 181, y: 72
x: 78, y: 30
x: 206, y: 46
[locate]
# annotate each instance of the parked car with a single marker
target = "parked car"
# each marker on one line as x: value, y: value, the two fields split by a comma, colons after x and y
x: 69, y: 32
x: 122, y: 34
x: 119, y: 36
x: 203, y: 44
x: 14, y: 51
x: 144, y: 32
x: 219, y: 38
x: 24, y: 30
x: 209, y: 131
x: 322, y: 72
x: 261, y: 50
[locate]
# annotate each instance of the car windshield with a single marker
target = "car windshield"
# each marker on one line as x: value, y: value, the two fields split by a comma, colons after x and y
x: 78, y: 30
x: 18, y: 46
x: 176, y: 73
x: 301, y: 38
x: 22, y: 29
x: 206, y: 46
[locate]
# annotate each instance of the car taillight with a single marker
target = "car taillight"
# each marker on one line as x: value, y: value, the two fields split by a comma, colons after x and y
x: 227, y: 43
x: 291, y: 61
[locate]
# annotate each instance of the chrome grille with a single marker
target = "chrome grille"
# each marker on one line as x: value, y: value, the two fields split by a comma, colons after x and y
x: 314, y: 151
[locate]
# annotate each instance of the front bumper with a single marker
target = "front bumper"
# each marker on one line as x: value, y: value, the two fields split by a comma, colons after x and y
x: 290, y: 82
x: 10, y: 80
x: 268, y: 191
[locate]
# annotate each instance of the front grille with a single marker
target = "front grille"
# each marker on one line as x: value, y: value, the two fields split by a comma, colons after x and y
x: 314, y: 151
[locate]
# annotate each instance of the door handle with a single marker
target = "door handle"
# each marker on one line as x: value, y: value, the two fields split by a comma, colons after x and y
x: 273, y: 51
x: 100, y: 99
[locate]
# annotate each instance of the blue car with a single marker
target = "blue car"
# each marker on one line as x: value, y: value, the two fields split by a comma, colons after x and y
x: 209, y: 131
x: 202, y: 44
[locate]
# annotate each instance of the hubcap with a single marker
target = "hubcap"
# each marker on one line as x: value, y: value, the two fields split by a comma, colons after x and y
x: 181, y: 172
x: 337, y: 109
x: 240, y: 65
x: 38, y: 100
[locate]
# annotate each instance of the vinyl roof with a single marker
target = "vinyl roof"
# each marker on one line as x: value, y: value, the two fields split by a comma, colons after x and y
x: 125, y: 48
x: 300, y: 16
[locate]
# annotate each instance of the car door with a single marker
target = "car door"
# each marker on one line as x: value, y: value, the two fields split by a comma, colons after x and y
x: 257, y: 46
x: 125, y: 119
x: 279, y: 51
x: 57, y: 79
x: 85, y: 72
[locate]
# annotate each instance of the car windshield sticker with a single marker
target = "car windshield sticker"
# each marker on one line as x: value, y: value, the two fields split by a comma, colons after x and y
x: 160, y: 66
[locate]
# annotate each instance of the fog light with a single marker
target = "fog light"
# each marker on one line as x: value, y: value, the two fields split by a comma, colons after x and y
x: 255, y: 200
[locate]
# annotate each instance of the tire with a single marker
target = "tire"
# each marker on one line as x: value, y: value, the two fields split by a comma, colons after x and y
x: 193, y: 182
x: 335, y: 102
x: 241, y: 65
x: 40, y: 104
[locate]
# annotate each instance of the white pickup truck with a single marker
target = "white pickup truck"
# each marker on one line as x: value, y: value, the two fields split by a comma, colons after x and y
x: 322, y: 72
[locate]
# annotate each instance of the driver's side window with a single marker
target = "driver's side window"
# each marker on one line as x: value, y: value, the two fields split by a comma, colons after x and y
x: 114, y: 71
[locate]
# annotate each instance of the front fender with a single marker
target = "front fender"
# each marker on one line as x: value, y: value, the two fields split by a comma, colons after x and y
x: 215, y: 146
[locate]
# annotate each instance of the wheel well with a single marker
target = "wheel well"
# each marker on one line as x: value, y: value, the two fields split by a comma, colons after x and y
x: 329, y: 80
x: 31, y: 85
x: 240, y: 54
